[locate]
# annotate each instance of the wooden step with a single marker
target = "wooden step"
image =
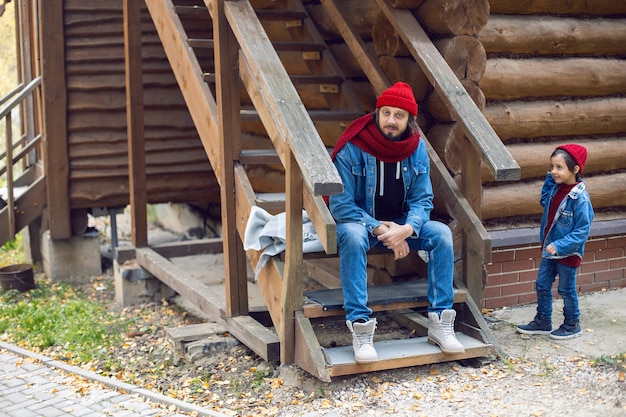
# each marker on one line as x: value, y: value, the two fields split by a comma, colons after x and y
x: 286, y: 15
x: 299, y: 46
x: 402, y: 295
x: 402, y: 353
x: 251, y: 115
x: 195, y: 11
x: 201, y: 43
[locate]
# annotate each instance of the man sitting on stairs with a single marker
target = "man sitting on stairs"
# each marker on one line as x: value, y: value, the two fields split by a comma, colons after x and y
x: 387, y: 200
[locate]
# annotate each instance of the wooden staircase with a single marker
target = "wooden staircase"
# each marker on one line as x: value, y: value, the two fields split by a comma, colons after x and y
x: 295, y: 96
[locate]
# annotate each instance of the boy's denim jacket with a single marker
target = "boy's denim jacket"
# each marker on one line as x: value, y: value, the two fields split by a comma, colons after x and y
x: 572, y: 222
x: 357, y: 169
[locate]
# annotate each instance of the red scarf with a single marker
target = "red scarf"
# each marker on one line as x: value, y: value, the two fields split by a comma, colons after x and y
x: 364, y: 133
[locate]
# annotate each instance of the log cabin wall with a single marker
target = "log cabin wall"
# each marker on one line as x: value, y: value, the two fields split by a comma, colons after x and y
x: 177, y: 167
x: 555, y: 73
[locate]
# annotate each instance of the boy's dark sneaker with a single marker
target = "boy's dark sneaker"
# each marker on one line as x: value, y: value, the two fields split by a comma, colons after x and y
x: 567, y: 330
x: 537, y: 326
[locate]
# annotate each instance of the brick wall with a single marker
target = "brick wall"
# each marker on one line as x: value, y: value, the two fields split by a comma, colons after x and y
x: 511, y: 274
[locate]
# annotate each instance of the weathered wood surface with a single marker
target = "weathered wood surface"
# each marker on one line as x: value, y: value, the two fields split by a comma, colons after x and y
x: 177, y: 168
x: 447, y: 84
x: 454, y: 17
x: 606, y: 191
x: 605, y: 155
x: 532, y: 119
x: 551, y: 35
x: 281, y: 102
x: 361, y: 15
x: 567, y: 7
x: 512, y: 79
x: 55, y: 98
x: 465, y: 55
x: 436, y: 106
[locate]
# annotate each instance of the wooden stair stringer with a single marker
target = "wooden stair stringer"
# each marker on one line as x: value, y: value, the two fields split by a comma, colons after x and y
x: 263, y: 341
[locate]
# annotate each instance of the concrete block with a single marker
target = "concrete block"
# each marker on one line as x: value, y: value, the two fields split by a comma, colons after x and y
x: 134, y: 285
x: 71, y: 259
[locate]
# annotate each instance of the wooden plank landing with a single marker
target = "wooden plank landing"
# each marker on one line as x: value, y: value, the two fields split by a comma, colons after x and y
x: 401, y: 353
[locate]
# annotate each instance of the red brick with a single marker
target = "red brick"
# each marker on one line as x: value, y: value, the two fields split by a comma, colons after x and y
x: 619, y: 263
x: 589, y: 256
x: 500, y: 279
x: 597, y: 286
x: 521, y: 288
x: 518, y: 266
x: 595, y: 244
x: 608, y: 275
x: 528, y: 276
x: 501, y: 302
x: 502, y: 255
x: 619, y: 242
x: 492, y: 291
x: 494, y: 268
x: 527, y: 298
x: 618, y: 283
x: 530, y: 253
x: 585, y: 278
x: 594, y: 266
x: 609, y: 253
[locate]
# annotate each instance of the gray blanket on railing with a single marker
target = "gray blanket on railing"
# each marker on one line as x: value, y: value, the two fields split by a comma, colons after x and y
x: 268, y: 233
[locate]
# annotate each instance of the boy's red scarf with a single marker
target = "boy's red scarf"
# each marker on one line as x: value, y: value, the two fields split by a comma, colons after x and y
x: 364, y: 133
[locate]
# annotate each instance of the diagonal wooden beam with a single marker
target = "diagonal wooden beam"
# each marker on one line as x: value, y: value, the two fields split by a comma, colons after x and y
x: 459, y: 103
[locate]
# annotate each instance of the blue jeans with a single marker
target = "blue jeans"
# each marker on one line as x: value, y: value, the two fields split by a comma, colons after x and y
x: 353, y: 242
x: 548, y: 270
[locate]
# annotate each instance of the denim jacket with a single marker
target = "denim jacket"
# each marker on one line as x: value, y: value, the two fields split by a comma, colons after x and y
x: 357, y: 169
x: 572, y: 222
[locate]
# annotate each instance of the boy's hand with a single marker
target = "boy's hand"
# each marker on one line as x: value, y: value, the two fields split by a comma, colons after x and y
x: 551, y: 249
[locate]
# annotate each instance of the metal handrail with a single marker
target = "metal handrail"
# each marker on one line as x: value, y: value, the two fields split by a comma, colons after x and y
x: 17, y: 99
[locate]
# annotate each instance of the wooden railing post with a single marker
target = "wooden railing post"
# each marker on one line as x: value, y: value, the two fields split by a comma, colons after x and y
x: 135, y: 122
x: 471, y: 187
x: 292, y: 288
x: 228, y: 109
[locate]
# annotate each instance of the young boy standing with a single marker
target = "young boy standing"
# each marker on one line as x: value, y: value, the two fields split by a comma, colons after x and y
x: 565, y: 227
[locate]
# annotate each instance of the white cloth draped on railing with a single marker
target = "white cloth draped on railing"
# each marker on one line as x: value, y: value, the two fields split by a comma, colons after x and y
x: 268, y: 233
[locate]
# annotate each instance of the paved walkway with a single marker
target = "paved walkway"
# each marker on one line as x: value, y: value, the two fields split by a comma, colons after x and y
x: 34, y: 385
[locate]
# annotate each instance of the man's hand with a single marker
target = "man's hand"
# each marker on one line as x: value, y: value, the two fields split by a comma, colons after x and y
x: 551, y: 249
x: 394, y: 238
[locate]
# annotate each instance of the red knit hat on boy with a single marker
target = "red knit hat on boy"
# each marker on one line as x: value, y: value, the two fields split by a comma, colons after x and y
x: 398, y: 95
x: 579, y: 153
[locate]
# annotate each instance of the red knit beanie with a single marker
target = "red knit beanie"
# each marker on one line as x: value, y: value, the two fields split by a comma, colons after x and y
x: 579, y: 153
x: 398, y: 95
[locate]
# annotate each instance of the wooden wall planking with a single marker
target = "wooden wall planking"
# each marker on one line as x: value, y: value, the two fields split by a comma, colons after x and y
x: 176, y: 164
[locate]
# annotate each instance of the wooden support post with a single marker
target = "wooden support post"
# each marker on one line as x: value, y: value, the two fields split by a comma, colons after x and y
x: 292, y: 288
x: 135, y: 122
x: 228, y: 107
x: 471, y: 187
x: 54, y: 93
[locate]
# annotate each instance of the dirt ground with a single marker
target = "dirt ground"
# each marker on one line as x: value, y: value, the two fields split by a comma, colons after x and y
x: 537, y: 377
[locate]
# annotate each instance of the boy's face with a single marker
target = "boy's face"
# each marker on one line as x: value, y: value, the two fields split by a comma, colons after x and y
x: 560, y: 172
x: 393, y: 121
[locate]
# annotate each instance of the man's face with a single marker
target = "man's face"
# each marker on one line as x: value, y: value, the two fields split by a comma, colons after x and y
x: 393, y: 121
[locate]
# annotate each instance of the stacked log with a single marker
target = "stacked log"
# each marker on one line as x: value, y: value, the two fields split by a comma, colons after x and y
x: 556, y: 74
x: 453, y: 24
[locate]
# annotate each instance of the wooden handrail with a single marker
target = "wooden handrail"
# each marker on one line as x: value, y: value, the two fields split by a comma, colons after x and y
x: 278, y: 103
x: 459, y: 103
x: 459, y: 207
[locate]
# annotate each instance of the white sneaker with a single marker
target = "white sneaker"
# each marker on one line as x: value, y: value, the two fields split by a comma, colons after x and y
x: 441, y: 332
x: 363, y: 340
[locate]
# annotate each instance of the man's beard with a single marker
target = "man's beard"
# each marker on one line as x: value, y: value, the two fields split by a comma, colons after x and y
x: 394, y: 138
